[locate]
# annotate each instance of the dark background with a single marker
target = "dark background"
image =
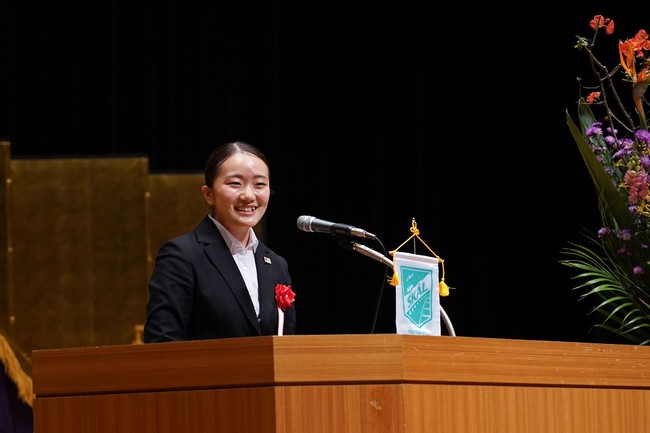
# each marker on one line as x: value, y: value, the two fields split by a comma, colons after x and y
x: 371, y: 113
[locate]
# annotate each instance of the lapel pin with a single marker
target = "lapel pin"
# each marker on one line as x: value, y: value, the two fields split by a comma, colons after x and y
x: 267, y: 260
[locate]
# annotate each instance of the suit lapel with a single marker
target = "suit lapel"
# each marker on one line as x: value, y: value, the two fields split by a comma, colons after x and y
x: 266, y: 284
x: 219, y: 254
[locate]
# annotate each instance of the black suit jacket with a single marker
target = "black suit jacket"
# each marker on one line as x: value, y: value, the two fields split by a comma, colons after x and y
x: 196, y: 291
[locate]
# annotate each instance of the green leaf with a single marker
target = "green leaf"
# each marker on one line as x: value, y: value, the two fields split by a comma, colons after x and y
x: 607, y: 193
x: 602, y: 281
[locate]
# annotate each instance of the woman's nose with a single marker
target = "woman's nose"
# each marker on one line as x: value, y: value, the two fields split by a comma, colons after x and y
x: 247, y: 192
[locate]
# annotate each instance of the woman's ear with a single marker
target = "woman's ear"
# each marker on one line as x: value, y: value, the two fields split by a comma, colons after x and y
x: 207, y: 195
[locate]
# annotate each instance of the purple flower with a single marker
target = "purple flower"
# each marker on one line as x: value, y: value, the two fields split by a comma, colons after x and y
x: 645, y: 161
x: 625, y: 234
x: 637, y: 270
x: 604, y: 232
x: 625, y: 148
x: 594, y: 130
x: 643, y: 136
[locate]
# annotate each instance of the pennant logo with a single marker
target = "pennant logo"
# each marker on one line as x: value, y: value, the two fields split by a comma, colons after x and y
x: 417, y: 294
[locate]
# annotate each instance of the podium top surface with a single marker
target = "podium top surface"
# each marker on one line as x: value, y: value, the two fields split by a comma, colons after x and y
x: 336, y: 359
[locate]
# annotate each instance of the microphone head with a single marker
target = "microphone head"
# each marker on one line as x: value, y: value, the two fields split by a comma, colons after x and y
x: 304, y: 223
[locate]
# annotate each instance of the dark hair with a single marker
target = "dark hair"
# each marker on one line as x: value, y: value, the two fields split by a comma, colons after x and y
x: 225, y: 151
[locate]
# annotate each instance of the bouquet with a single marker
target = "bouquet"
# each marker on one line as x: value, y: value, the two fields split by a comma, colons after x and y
x: 613, y: 265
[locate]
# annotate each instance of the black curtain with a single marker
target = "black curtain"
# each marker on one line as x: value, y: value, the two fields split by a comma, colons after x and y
x: 372, y: 114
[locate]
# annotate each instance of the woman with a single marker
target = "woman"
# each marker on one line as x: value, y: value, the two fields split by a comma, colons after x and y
x: 219, y: 280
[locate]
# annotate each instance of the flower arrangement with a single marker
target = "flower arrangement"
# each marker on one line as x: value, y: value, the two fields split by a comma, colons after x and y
x: 614, y: 265
x: 284, y: 298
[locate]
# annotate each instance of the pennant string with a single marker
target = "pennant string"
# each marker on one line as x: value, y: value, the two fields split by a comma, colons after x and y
x: 443, y: 288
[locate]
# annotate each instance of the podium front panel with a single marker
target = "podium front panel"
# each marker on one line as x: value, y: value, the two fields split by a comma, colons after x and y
x: 344, y: 384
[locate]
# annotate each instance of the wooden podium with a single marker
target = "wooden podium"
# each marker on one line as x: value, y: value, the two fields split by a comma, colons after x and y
x: 344, y: 384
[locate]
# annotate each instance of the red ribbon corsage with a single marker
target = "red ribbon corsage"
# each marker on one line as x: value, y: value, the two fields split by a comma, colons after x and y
x: 284, y: 296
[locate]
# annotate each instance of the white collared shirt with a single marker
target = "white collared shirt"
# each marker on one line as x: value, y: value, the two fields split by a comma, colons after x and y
x: 245, y: 259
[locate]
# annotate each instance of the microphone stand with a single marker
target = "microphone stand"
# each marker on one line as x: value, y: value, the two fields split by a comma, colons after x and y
x: 369, y: 252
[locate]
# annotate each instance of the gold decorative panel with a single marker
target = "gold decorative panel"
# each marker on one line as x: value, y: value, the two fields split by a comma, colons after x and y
x: 5, y: 296
x: 77, y: 233
x: 176, y: 205
x: 78, y: 238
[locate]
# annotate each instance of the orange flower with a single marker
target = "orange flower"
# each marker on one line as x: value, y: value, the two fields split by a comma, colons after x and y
x: 600, y: 21
x: 628, y: 51
x: 640, y: 42
x: 593, y: 97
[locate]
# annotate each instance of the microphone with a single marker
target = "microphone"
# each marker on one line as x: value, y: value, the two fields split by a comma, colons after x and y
x: 311, y: 224
x: 366, y: 251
